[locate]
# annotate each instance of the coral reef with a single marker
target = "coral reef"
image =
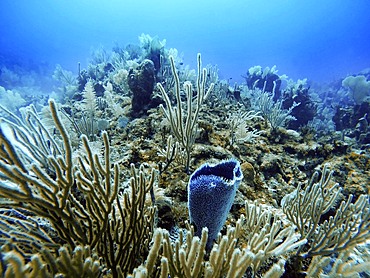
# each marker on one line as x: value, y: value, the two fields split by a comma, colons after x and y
x: 87, y: 190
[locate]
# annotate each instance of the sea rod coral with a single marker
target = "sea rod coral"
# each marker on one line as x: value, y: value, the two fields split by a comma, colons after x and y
x: 184, y: 120
x: 53, y: 201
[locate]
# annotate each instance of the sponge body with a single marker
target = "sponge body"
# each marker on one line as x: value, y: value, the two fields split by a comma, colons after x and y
x: 211, y: 193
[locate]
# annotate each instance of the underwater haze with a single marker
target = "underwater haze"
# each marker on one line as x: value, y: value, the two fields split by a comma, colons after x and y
x: 318, y: 40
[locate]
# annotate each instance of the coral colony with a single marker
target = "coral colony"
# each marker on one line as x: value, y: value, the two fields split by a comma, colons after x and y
x: 139, y: 166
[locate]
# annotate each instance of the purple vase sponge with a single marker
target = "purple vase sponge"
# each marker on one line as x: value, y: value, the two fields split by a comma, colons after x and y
x: 211, y: 193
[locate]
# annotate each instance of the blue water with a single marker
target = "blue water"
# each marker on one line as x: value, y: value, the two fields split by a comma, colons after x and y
x: 321, y: 40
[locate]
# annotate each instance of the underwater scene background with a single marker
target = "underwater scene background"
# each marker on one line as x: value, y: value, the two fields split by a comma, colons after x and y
x: 184, y: 138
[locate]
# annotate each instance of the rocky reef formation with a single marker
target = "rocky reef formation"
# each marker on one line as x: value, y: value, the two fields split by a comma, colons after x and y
x: 111, y: 199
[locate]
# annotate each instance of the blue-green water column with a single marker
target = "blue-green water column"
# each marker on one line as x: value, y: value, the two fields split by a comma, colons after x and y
x: 211, y: 193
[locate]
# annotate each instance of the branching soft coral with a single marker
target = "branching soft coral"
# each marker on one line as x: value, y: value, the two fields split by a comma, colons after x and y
x: 342, y: 231
x: 80, y: 200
